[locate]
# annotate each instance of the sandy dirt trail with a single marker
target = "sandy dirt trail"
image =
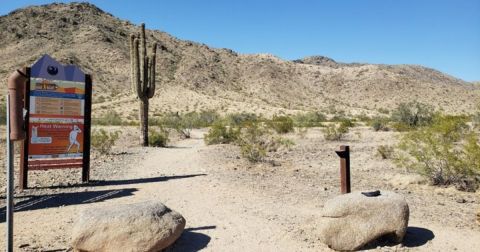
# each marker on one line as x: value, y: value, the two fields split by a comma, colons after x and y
x: 219, y: 217
x: 224, y: 209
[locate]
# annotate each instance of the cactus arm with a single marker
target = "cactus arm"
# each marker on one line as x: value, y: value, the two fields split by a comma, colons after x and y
x: 136, y: 67
x: 151, y: 77
x: 143, y: 60
x: 132, y: 63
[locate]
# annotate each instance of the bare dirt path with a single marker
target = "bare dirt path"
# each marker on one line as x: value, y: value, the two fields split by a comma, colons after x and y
x: 219, y: 217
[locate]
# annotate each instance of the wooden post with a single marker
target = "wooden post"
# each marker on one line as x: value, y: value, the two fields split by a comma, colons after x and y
x: 23, y: 175
x: 87, y: 122
x: 344, y: 154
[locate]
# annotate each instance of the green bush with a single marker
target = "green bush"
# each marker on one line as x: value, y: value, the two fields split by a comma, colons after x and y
x: 281, y: 124
x: 363, y: 118
x: 447, y: 152
x: 412, y: 115
x: 158, y: 138
x: 379, y: 123
x: 253, y: 143
x: 286, y: 142
x: 3, y: 113
x: 347, y: 123
x: 383, y: 111
x: 103, y: 141
x: 385, y: 151
x: 109, y: 118
x: 184, y: 123
x: 242, y: 119
x: 309, y: 119
x: 334, y: 132
x: 221, y: 133
x: 476, y: 117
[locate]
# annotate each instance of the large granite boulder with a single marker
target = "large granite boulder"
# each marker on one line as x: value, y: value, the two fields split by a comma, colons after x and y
x: 352, y: 220
x: 146, y: 226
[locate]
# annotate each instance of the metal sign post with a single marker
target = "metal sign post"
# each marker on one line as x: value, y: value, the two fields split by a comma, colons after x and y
x: 10, y: 184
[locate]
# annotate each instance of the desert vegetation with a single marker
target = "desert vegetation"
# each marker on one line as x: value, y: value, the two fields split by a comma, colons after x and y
x: 446, y: 150
x: 102, y: 140
x: 3, y: 113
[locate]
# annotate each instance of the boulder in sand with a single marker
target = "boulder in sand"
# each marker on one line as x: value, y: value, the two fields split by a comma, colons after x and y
x: 350, y: 221
x: 146, y: 226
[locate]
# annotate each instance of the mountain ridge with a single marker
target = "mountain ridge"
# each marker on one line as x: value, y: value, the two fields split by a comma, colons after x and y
x: 193, y: 76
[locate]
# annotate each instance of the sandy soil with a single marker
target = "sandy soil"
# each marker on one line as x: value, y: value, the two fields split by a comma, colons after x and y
x: 232, y: 205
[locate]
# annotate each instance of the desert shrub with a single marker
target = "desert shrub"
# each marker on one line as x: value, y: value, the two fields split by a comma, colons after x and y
x: 3, y: 113
x: 334, y: 132
x: 158, y: 138
x: 242, y: 119
x: 109, y: 118
x: 412, y: 115
x: 183, y: 124
x: 383, y: 111
x: 281, y: 124
x: 221, y: 133
x: 447, y: 152
x: 285, y: 142
x: 379, y: 123
x: 253, y: 143
x: 476, y: 117
x: 207, y: 118
x: 103, y: 141
x: 363, y: 118
x: 347, y: 123
x: 309, y: 119
x: 385, y: 151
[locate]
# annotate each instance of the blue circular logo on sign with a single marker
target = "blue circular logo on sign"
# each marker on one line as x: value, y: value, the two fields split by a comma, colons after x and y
x: 52, y: 70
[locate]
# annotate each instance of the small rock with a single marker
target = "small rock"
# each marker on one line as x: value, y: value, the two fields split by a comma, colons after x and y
x: 24, y: 245
x: 461, y: 200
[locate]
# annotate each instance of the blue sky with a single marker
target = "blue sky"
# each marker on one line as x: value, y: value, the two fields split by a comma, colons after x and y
x: 440, y: 34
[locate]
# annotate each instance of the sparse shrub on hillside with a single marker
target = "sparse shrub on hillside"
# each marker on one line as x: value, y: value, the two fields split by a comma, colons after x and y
x: 363, y: 118
x: 207, y: 118
x: 158, y: 138
x: 242, y: 119
x: 3, y: 113
x: 385, y: 151
x: 347, y: 123
x: 103, y: 141
x: 412, y: 115
x: 109, y: 118
x: 281, y: 124
x: 447, y: 152
x: 309, y: 119
x: 476, y: 117
x: 379, y: 123
x: 384, y: 111
x: 285, y: 142
x: 222, y: 133
x: 334, y: 132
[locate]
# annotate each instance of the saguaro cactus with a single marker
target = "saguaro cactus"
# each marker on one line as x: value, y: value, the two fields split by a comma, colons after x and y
x: 143, y: 77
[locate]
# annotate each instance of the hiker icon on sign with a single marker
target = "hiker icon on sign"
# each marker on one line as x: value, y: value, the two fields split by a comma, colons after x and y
x: 73, y: 138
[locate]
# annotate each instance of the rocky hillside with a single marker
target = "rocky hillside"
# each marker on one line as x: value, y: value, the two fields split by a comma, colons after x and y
x: 193, y: 76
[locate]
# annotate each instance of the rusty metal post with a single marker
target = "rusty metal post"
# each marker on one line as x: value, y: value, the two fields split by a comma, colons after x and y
x: 344, y: 154
x: 16, y: 89
x: 10, y: 183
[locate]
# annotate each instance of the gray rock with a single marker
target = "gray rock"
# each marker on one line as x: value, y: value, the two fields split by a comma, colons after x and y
x: 350, y: 221
x: 146, y: 226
